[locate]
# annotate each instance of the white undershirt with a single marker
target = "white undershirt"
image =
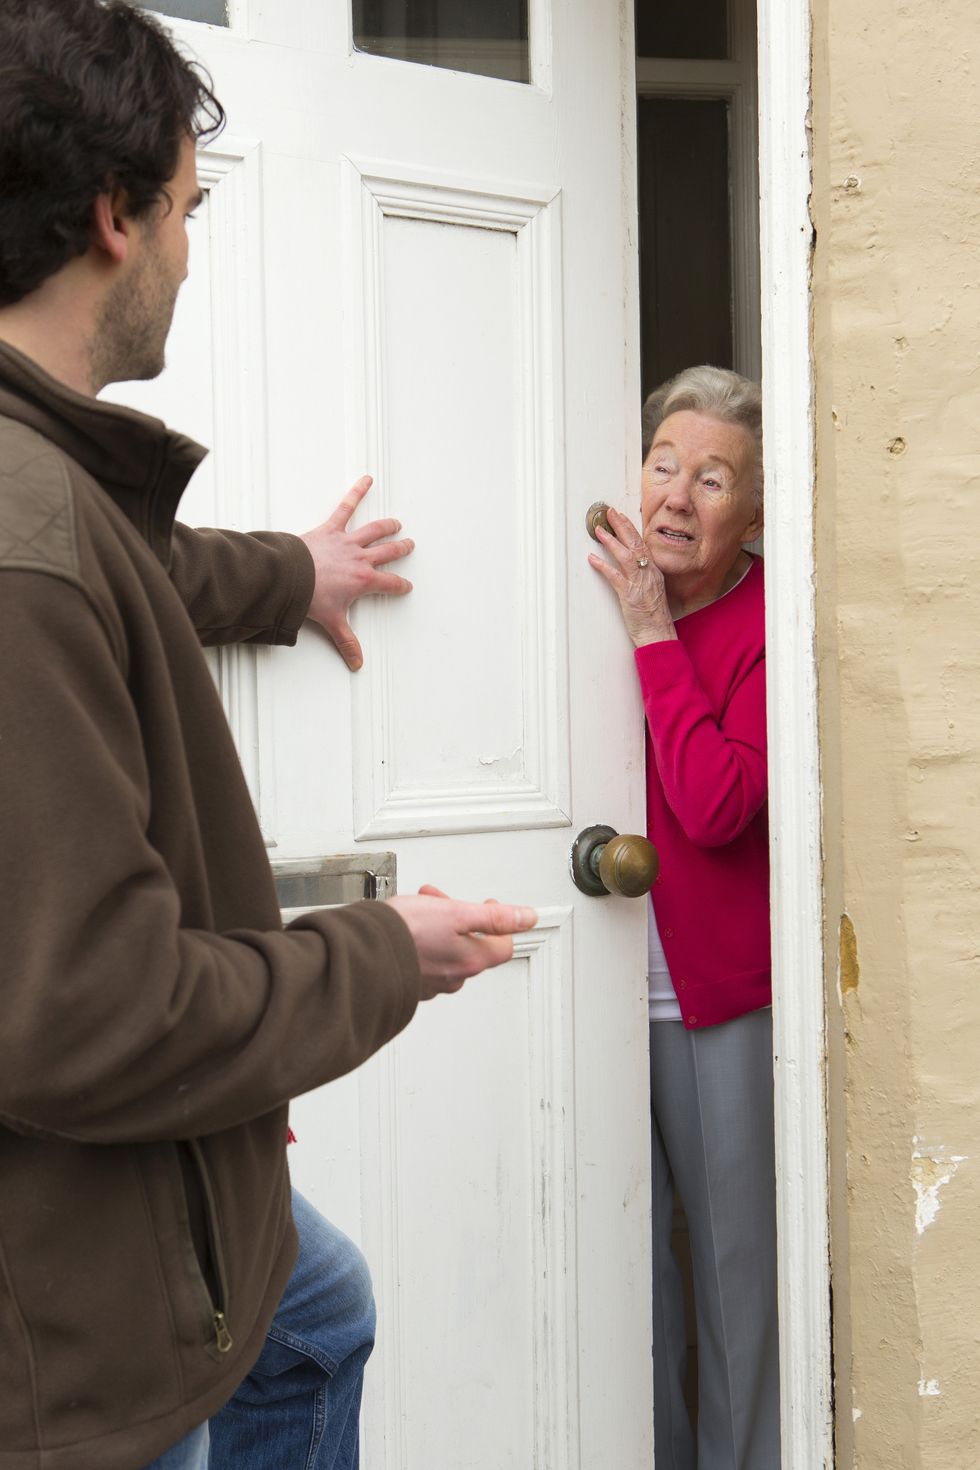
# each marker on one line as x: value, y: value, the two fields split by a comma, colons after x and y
x: 662, y: 1001
x: 661, y: 997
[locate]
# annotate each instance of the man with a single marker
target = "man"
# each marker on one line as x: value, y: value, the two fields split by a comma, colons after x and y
x: 156, y: 1018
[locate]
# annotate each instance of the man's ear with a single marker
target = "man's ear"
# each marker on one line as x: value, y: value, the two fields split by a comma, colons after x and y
x: 111, y: 225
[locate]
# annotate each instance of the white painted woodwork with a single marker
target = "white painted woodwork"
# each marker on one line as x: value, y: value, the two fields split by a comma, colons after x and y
x: 431, y: 275
x: 794, y: 768
x: 499, y: 759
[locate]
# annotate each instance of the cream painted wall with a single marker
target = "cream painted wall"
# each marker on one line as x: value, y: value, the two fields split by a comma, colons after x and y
x: 896, y: 207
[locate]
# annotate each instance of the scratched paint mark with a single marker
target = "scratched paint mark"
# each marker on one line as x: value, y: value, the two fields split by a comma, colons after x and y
x: 929, y: 1388
x: 856, y: 1414
x: 506, y: 763
x: 932, y: 1170
x: 849, y: 969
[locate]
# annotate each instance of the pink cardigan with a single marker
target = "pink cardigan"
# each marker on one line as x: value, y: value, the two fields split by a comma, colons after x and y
x: 705, y: 703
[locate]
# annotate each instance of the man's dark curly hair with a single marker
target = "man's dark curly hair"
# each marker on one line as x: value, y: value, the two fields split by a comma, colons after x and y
x: 93, y: 96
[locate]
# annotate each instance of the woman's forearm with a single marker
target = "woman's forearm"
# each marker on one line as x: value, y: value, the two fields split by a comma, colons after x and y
x: 713, y: 772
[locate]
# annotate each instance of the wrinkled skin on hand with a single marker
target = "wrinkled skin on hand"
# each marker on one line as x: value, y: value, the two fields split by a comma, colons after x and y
x: 641, y: 590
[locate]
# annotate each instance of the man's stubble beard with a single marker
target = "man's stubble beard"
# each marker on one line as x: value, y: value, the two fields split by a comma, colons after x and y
x: 131, y: 336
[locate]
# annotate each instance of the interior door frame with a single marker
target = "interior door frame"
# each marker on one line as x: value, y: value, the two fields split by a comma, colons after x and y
x: 785, y: 248
x: 799, y: 1011
x: 735, y: 82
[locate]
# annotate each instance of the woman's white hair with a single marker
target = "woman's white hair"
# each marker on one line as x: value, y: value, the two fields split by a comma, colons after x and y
x: 717, y: 392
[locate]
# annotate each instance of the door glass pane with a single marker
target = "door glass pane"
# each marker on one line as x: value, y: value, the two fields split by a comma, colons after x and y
x: 685, y: 237
x: 678, y: 29
x: 215, y: 12
x: 485, y: 36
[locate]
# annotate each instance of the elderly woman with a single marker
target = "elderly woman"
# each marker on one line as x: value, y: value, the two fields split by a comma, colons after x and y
x: 691, y: 596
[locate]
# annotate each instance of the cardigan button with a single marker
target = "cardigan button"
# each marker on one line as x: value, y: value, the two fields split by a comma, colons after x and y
x: 682, y: 985
x: 659, y: 878
x: 692, y: 1020
x: 668, y: 933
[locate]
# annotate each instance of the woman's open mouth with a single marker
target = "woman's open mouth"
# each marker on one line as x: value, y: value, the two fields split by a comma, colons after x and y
x: 678, y: 538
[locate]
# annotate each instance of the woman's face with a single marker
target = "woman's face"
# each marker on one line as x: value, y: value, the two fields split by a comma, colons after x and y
x: 698, y: 495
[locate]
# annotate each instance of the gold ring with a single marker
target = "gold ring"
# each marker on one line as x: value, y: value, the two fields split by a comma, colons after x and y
x: 642, y: 561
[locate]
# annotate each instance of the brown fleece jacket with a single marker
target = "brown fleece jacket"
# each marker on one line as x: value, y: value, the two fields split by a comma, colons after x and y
x: 156, y: 1018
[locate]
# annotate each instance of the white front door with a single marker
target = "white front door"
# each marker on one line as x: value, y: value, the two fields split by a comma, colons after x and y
x: 429, y: 275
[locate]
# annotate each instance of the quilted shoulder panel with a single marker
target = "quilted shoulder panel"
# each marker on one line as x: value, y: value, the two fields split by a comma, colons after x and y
x: 37, y: 520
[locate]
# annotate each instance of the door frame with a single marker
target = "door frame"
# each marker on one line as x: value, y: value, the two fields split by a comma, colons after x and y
x: 802, y: 1182
x: 799, y: 1012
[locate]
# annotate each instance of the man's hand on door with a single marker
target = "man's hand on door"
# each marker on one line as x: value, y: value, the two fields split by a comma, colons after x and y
x: 348, y: 566
x: 455, y: 939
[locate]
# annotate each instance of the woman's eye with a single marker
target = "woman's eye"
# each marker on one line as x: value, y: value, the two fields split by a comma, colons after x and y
x: 711, y: 482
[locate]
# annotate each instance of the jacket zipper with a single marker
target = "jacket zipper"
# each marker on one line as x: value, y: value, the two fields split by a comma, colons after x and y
x: 222, y: 1336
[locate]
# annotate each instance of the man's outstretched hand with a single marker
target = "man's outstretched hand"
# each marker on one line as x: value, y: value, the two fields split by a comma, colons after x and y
x: 455, y: 939
x: 347, y: 567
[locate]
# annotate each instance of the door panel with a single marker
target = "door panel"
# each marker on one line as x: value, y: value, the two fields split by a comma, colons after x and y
x: 472, y: 1213
x: 429, y: 275
x: 470, y: 451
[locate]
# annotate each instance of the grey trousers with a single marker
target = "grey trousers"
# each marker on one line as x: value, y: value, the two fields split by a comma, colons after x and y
x: 712, y: 1098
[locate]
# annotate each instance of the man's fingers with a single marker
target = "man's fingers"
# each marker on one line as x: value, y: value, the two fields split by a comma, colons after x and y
x: 390, y: 584
x: 493, y: 950
x: 495, y: 918
x: 348, y: 645
x: 349, y: 504
x: 375, y: 531
x: 455, y: 939
x: 389, y: 551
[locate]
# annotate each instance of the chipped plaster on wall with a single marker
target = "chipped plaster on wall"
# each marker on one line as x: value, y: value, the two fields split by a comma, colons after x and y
x: 931, y: 1170
x: 897, y: 357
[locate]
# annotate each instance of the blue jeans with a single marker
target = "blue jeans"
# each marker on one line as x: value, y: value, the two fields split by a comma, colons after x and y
x: 298, y: 1409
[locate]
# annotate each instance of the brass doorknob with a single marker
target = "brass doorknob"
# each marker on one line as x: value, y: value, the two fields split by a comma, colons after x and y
x: 597, y: 515
x: 606, y: 861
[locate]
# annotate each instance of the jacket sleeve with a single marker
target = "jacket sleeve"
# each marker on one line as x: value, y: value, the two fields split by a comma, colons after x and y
x: 714, y: 772
x: 242, y: 588
x: 119, y: 1024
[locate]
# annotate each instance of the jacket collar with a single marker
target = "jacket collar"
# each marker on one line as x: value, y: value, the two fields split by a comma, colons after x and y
x: 140, y: 463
